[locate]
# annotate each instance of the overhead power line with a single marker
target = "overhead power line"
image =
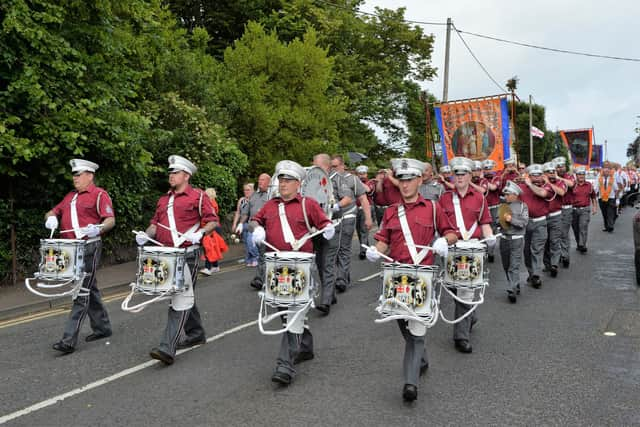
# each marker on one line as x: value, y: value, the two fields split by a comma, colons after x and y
x: 477, y: 60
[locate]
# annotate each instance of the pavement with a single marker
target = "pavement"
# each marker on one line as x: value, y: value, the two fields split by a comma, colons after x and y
x: 18, y: 301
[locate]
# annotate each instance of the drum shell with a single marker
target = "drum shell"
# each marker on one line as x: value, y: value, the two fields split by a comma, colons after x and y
x: 160, y: 270
x: 393, y: 276
x: 288, y: 278
x: 61, y: 259
x: 465, y: 265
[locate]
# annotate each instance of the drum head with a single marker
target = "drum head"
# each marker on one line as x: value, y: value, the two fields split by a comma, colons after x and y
x: 317, y: 185
x: 469, y: 244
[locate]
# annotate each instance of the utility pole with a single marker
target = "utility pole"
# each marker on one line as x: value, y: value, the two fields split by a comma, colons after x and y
x: 530, y: 126
x: 606, y: 158
x: 445, y: 86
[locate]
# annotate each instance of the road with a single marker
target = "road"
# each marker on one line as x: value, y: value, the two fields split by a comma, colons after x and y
x: 543, y: 361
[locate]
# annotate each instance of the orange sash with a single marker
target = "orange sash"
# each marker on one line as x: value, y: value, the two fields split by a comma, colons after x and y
x: 605, y: 192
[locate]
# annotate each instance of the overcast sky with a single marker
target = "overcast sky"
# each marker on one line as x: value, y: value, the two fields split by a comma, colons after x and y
x: 577, y: 91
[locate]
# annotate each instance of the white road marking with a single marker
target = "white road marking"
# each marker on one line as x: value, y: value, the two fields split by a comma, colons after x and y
x: 95, y: 384
x: 365, y: 279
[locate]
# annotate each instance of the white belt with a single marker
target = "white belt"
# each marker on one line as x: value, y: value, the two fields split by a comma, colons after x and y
x: 567, y: 206
x: 512, y: 236
x: 552, y: 214
x: 494, y: 206
x: 583, y: 207
x: 540, y: 218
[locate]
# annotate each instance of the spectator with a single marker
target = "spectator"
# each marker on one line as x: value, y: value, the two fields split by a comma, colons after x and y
x: 213, y: 244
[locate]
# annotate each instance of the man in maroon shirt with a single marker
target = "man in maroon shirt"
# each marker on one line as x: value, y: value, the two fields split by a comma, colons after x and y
x: 494, y: 189
x: 535, y: 191
x: 282, y: 222
x: 391, y: 238
x: 182, y: 217
x: 510, y: 172
x: 86, y: 213
x: 468, y: 212
x: 362, y: 227
x: 553, y: 249
x: 567, y: 208
x: 584, y: 200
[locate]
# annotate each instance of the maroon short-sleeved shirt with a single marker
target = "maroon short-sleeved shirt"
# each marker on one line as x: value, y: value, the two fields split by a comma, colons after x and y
x: 493, y: 197
x: 187, y: 206
x: 538, y: 206
x: 474, y: 209
x: 511, y: 176
x: 556, y: 202
x: 390, y: 194
x: 583, y: 194
x: 269, y: 218
x: 421, y: 223
x: 481, y: 182
x: 93, y: 206
x: 567, y: 199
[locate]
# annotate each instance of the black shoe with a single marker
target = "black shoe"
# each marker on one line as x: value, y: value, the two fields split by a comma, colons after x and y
x: 512, y: 297
x: 303, y: 356
x: 409, y: 392
x: 463, y: 346
x: 334, y: 301
x: 490, y: 258
x: 610, y: 230
x: 424, y: 368
x: 281, y: 378
x: 362, y: 255
x: 190, y: 342
x: 94, y: 336
x: 605, y: 229
x: 565, y: 263
x: 256, y: 284
x: 64, y: 348
x: 554, y: 271
x: 160, y: 355
x: 324, y: 308
x: 536, y: 282
x: 341, y: 288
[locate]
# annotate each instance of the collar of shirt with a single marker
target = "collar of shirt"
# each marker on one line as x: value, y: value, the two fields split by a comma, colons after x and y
x: 297, y: 199
x: 90, y: 189
x: 470, y: 192
x: 188, y: 190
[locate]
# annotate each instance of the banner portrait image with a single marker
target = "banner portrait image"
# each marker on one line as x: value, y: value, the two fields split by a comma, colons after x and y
x: 596, y: 156
x: 475, y: 128
x: 578, y: 143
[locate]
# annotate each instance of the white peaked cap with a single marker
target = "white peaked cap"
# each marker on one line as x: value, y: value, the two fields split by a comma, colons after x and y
x: 509, y: 162
x: 559, y: 161
x: 512, y: 188
x: 81, y: 165
x: 581, y: 170
x: 461, y: 164
x: 488, y: 164
x: 549, y: 167
x: 407, y: 168
x: 179, y: 163
x: 445, y: 168
x: 477, y: 165
x: 362, y: 169
x: 291, y: 170
x: 535, y: 169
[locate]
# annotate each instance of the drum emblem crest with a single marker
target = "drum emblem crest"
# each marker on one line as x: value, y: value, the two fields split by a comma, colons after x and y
x: 407, y: 289
x: 286, y: 281
x: 56, y: 261
x: 463, y: 267
x: 154, y: 272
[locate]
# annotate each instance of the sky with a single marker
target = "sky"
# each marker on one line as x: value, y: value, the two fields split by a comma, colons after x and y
x: 577, y: 91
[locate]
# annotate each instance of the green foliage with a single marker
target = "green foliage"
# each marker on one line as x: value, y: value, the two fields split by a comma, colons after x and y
x: 543, y: 149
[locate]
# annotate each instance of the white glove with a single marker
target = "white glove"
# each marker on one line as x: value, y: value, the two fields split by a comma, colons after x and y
x: 51, y: 223
x: 490, y: 241
x: 336, y: 207
x: 239, y: 229
x: 441, y: 246
x: 194, y: 237
x: 141, y: 238
x: 259, y: 235
x: 329, y: 232
x: 372, y: 254
x: 91, y: 230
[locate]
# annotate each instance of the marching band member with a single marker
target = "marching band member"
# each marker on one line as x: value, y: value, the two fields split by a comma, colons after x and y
x: 478, y: 181
x: 346, y: 228
x: 608, y: 193
x: 516, y: 220
x: 81, y: 212
x: 553, y: 249
x: 255, y: 203
x: 361, y: 224
x: 494, y: 187
x: 446, y: 177
x: 584, y: 200
x: 510, y: 171
x: 567, y: 208
x: 430, y: 189
x: 468, y: 211
x: 535, y: 191
x: 392, y: 238
x: 282, y: 220
x: 176, y: 223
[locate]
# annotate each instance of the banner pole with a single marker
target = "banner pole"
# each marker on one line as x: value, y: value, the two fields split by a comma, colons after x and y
x: 530, y: 127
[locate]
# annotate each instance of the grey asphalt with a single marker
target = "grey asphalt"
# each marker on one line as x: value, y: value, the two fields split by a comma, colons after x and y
x: 542, y: 361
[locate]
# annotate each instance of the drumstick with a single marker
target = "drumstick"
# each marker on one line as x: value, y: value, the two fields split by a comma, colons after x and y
x: 495, y: 236
x: 71, y: 229
x: 422, y: 247
x: 145, y: 235
x: 169, y: 228
x: 51, y: 235
x: 381, y: 254
x: 270, y: 245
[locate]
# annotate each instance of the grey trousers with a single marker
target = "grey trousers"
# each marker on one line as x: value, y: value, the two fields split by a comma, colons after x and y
x: 511, y: 255
x: 552, y: 247
x: 415, y: 354
x: 534, y: 241
x: 565, y: 240
x: 183, y: 321
x: 494, y: 225
x: 261, y: 268
x: 462, y: 329
x: 344, y: 232
x: 580, y: 225
x: 290, y: 345
x: 326, y: 253
x: 91, y: 304
x: 361, y: 228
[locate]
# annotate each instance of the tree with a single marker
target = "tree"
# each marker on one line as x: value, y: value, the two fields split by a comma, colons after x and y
x: 543, y: 149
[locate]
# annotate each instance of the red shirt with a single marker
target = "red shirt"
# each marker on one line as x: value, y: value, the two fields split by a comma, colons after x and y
x: 421, y: 223
x: 369, y: 186
x: 538, y: 206
x: 493, y: 197
x: 556, y: 202
x: 390, y: 194
x: 511, y: 176
x: 582, y: 194
x: 481, y: 182
x: 269, y: 218
x: 474, y: 207
x: 187, y: 206
x: 93, y: 206
x: 567, y: 199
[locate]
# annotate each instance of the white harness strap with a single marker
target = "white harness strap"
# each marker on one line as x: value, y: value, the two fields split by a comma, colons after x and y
x: 176, y: 237
x: 284, y: 223
x: 75, y: 224
x: 416, y: 256
x: 466, y: 235
x: 306, y: 219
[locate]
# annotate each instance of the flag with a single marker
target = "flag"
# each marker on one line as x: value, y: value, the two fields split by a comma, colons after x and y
x: 536, y: 132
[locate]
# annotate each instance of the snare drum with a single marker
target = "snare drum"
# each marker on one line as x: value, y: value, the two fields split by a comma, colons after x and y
x: 160, y: 270
x: 288, y: 281
x: 408, y: 292
x: 465, y: 267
